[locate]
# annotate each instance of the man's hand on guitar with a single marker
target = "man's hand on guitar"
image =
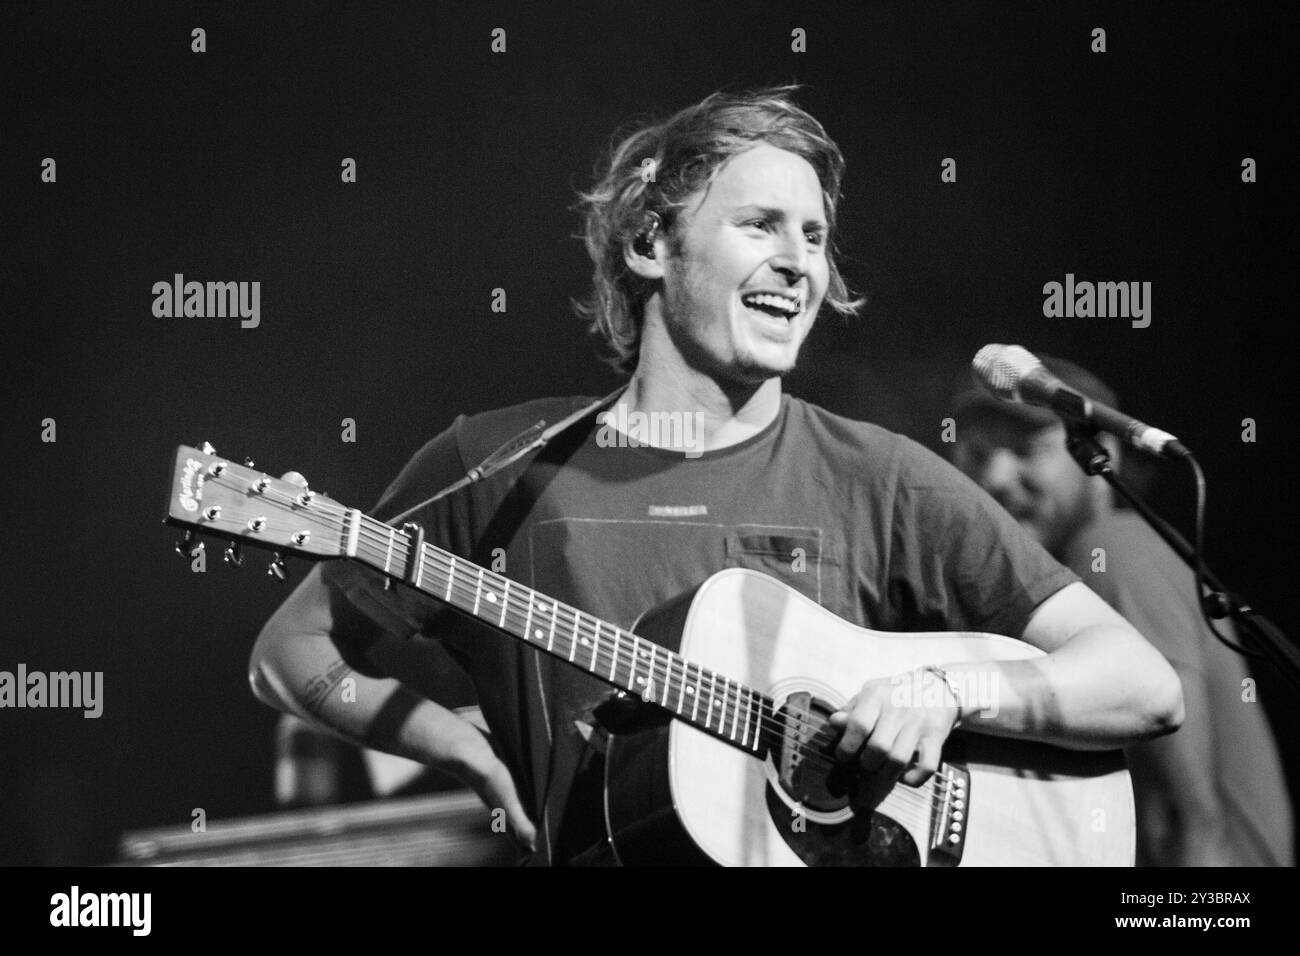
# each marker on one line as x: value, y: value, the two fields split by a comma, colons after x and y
x: 892, y: 734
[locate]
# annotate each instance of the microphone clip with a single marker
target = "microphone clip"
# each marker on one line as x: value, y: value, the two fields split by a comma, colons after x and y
x: 1081, y: 442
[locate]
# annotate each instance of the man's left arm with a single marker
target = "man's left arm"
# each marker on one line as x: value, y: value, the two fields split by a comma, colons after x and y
x: 963, y: 560
x: 1100, y: 686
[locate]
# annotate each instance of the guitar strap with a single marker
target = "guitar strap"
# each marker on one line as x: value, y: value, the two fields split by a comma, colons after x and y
x: 532, y: 438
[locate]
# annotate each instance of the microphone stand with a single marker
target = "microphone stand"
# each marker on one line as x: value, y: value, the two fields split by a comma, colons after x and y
x: 1266, y: 637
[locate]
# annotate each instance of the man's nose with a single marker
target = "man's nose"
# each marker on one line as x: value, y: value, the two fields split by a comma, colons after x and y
x: 791, y: 258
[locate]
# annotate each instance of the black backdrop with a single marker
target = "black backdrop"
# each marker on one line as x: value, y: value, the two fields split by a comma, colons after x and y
x: 375, y: 302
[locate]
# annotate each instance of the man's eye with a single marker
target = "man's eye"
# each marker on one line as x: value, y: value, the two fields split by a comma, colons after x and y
x: 816, y: 238
x: 760, y: 223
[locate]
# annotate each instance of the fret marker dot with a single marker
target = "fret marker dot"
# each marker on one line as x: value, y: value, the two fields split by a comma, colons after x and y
x: 583, y: 641
x: 690, y: 690
x: 640, y: 680
x: 538, y: 633
x: 492, y: 597
x: 542, y: 607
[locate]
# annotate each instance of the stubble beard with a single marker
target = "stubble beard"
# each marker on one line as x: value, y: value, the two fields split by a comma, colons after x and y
x: 745, y: 370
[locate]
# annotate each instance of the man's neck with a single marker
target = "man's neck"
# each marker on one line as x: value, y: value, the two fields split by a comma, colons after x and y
x: 724, y: 415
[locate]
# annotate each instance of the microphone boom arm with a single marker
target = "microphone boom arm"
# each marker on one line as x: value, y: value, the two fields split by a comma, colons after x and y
x: 1271, y: 643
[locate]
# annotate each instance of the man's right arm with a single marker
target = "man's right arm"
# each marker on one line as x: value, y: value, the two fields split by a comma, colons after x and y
x: 307, y: 650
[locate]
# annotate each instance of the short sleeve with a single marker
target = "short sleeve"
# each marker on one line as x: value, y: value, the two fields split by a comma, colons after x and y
x: 958, y: 560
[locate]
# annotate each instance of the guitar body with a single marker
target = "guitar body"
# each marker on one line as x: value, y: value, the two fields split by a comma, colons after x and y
x: 678, y: 795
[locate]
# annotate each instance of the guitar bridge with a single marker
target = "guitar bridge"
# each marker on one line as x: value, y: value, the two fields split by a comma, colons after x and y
x: 951, y: 810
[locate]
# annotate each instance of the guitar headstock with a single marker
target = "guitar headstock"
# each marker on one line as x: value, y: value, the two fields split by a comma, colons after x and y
x: 212, y: 495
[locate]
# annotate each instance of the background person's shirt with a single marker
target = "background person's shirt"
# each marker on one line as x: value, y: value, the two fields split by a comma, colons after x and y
x: 1149, y: 584
x: 867, y: 523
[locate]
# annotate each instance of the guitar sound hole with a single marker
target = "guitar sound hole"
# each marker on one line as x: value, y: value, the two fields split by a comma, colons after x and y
x: 804, y: 754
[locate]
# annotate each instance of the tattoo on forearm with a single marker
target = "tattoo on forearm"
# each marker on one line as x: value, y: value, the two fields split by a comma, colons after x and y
x: 319, y: 687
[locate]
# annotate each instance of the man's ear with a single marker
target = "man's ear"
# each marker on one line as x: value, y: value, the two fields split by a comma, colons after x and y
x: 644, y: 252
x: 644, y: 258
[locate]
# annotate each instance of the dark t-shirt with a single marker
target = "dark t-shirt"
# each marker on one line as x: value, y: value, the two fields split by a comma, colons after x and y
x: 1137, y: 574
x: 867, y: 523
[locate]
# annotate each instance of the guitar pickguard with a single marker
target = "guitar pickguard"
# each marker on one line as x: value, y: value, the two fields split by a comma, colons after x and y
x: 809, y: 793
x: 871, y: 839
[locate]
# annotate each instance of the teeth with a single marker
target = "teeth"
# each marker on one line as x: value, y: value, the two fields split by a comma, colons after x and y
x: 788, y: 306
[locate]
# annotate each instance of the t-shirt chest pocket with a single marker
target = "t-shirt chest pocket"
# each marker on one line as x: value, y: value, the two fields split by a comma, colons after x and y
x: 795, y: 556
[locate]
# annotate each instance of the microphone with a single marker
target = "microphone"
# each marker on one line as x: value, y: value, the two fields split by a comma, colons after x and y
x: 1014, y: 374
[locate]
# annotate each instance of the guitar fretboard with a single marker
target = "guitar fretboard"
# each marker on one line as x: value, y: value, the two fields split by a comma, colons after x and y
x: 701, y: 697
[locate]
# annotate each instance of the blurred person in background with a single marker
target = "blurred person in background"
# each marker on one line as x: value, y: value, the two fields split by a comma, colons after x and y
x: 1212, y: 793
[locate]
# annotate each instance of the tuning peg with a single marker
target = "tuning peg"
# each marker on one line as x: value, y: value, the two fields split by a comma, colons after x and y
x: 208, y: 449
x: 186, y: 546
x: 248, y: 462
x: 277, y: 569
x: 234, y: 555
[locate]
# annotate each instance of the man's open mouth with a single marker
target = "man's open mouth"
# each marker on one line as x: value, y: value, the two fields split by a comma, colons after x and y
x: 774, y: 304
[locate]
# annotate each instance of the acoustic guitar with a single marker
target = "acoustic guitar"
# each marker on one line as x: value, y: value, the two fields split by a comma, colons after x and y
x: 721, y: 750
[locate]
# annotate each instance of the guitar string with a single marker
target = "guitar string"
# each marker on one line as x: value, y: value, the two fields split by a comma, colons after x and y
x: 586, y: 636
x: 813, y: 748
x: 674, y: 678
x: 731, y: 696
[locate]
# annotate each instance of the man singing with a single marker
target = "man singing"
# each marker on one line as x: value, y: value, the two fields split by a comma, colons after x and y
x: 711, y: 236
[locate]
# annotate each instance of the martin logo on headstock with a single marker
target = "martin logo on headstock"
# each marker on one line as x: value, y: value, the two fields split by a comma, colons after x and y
x: 191, y: 485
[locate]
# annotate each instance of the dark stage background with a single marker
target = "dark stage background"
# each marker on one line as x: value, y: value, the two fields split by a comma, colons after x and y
x: 376, y: 296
